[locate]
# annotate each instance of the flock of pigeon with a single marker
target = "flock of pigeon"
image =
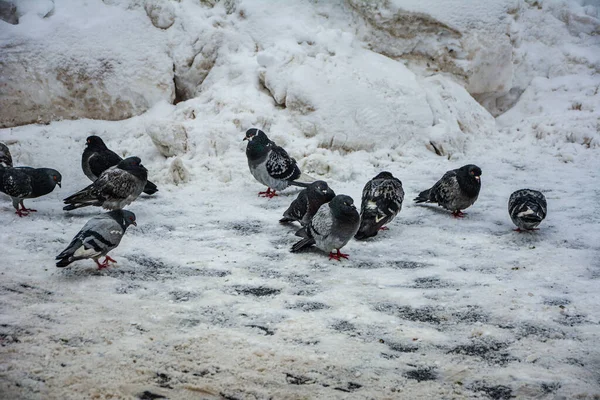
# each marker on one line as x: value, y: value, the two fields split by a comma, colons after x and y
x: 328, y: 220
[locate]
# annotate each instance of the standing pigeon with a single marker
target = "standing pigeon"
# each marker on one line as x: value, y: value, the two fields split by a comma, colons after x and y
x: 27, y: 183
x: 97, y: 158
x: 270, y: 164
x: 5, y: 157
x: 116, y: 187
x: 382, y: 200
x: 331, y: 228
x: 527, y: 209
x: 308, y: 202
x: 98, y: 236
x: 457, y: 190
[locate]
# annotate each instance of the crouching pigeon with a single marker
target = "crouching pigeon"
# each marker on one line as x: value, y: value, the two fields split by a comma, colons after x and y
x: 331, y: 228
x: 457, y: 190
x: 527, y: 209
x: 304, y: 207
x: 5, y: 157
x: 114, y: 189
x: 27, y: 183
x: 270, y: 164
x: 382, y: 200
x: 98, y: 236
x: 97, y: 158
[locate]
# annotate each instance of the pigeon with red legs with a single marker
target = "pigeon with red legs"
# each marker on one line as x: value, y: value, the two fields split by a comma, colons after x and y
x: 27, y: 183
x: 381, y: 201
x: 98, y: 236
x: 527, y: 209
x: 304, y: 207
x: 457, y: 190
x: 270, y: 164
x: 97, y: 158
x: 334, y: 224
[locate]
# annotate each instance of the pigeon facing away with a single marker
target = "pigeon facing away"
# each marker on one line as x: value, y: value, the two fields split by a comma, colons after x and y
x: 98, y: 236
x: 5, y: 157
x: 382, y: 200
x: 304, y: 207
x: 27, y: 183
x: 527, y: 209
x: 331, y: 228
x: 457, y: 190
x: 270, y: 164
x: 97, y: 158
x: 114, y: 189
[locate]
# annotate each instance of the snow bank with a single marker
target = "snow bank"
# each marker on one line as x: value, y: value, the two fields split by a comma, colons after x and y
x: 68, y: 60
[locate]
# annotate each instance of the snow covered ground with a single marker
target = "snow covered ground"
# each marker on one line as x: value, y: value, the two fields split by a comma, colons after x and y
x: 207, y: 301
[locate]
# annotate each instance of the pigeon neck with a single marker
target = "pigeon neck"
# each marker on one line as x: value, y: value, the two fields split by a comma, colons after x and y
x: 257, y: 149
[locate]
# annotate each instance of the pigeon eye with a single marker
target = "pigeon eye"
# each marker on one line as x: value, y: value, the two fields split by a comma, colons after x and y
x: 54, y: 177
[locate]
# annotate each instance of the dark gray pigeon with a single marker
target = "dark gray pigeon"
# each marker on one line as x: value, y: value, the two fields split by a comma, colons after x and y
x: 5, y: 157
x: 270, y: 164
x: 116, y: 187
x: 97, y: 158
x: 27, y: 183
x: 381, y: 201
x: 304, y: 207
x: 331, y: 228
x: 457, y: 190
x: 98, y: 236
x: 527, y: 209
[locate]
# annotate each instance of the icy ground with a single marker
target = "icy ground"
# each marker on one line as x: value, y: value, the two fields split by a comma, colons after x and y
x: 208, y: 302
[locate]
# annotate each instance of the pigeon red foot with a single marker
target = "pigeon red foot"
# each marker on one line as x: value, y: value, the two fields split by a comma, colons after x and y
x: 270, y: 193
x: 337, y: 256
x: 458, y: 214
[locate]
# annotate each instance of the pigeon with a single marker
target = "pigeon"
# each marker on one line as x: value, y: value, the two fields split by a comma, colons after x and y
x: 308, y: 202
x: 27, y: 183
x: 97, y: 158
x: 382, y: 200
x: 114, y: 189
x: 5, y: 157
x: 98, y: 236
x: 457, y: 190
x: 331, y: 228
x: 270, y: 164
x: 527, y: 209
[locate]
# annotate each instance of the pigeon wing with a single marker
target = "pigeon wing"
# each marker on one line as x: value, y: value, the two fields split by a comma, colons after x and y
x: 101, y: 161
x: 281, y: 166
x: 15, y: 182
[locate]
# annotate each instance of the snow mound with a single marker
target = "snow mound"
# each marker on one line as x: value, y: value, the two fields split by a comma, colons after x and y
x: 67, y: 61
x: 465, y: 38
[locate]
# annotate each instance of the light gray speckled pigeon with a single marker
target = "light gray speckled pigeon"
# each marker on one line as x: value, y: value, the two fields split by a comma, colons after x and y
x: 331, y: 228
x: 5, y: 157
x: 98, y: 236
x: 27, y: 183
x: 114, y: 189
x: 457, y: 190
x: 527, y: 209
x: 304, y: 207
x: 381, y: 201
x: 270, y: 164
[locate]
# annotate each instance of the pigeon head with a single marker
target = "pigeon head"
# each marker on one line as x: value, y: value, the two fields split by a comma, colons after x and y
x: 321, y: 188
x: 342, y: 205
x: 123, y: 217
x: 471, y: 171
x: 54, y: 177
x: 95, y: 143
x: 256, y: 135
x: 131, y: 164
x: 384, y: 175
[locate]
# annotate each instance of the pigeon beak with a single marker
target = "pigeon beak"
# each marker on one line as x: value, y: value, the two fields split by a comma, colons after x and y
x: 478, y: 178
x: 59, y: 185
x: 134, y: 223
x: 245, y: 138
